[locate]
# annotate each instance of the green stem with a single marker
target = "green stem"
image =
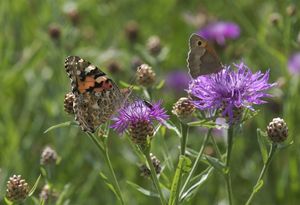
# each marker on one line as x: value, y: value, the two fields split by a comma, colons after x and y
x: 195, y: 165
x: 104, y: 151
x: 259, y: 183
x: 174, y: 197
x: 216, y: 147
x: 154, y: 177
x: 184, y: 136
x: 228, y: 157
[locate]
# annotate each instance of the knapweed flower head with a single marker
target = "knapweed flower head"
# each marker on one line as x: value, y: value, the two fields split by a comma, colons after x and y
x: 230, y: 90
x: 220, y: 31
x: 294, y: 63
x: 138, y: 119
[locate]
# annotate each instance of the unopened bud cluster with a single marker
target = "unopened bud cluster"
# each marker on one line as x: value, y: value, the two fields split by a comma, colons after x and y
x: 154, y: 45
x: 277, y: 130
x: 17, y: 189
x: 145, y: 171
x: 145, y: 75
x: 183, y: 108
x: 48, y: 156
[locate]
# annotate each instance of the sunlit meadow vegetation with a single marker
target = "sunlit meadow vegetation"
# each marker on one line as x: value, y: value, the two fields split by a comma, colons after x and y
x: 118, y: 36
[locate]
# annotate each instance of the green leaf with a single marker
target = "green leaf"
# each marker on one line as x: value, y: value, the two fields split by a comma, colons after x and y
x: 109, y: 185
x: 142, y: 190
x: 258, y: 186
x: 127, y: 85
x: 169, y: 124
x: 184, y: 165
x: 200, y: 179
x: 206, y: 123
x: 216, y: 163
x: 63, y: 194
x: 175, y: 183
x: 187, y: 164
x: 35, y: 185
x: 7, y: 201
x: 263, y: 143
x: 64, y: 124
x: 160, y: 84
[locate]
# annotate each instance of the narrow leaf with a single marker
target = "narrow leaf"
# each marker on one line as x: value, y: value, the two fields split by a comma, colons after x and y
x: 143, y: 190
x: 35, y: 185
x: 176, y: 181
x: 216, y: 163
x: 171, y: 126
x: 160, y: 84
x: 201, y: 179
x: 63, y: 194
x: 206, y: 123
x: 64, y: 124
x: 258, y: 186
x: 108, y: 184
x: 261, y: 138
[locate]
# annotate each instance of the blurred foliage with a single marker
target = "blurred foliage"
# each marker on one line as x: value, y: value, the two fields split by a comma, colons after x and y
x: 35, y: 38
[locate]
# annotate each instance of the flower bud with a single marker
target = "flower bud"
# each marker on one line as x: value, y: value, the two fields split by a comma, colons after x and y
x: 54, y: 31
x: 145, y: 75
x: 17, y: 189
x: 145, y: 171
x: 154, y: 45
x: 48, y: 156
x: 291, y: 10
x: 277, y: 130
x: 132, y: 31
x: 183, y: 108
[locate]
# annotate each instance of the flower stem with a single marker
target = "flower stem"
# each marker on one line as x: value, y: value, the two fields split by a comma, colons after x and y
x: 103, y: 148
x: 228, y: 157
x: 174, y: 197
x: 154, y: 177
x: 184, y: 136
x: 195, y: 165
x: 259, y: 182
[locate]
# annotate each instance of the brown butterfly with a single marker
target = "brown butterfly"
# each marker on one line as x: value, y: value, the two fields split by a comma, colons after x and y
x: 202, y: 58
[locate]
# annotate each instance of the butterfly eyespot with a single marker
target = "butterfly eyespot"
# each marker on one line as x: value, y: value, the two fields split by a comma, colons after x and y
x: 199, y: 43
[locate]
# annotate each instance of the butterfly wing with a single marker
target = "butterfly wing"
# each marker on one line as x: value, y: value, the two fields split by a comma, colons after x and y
x: 97, y: 97
x: 202, y: 58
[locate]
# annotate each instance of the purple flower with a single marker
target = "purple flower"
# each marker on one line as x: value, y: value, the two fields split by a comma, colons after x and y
x: 136, y: 112
x: 177, y: 80
x: 220, y: 31
x: 294, y: 63
x: 230, y: 89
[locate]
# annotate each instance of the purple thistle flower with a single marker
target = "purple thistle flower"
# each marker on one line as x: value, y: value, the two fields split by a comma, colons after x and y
x: 229, y: 90
x: 220, y: 31
x: 294, y: 63
x: 138, y: 111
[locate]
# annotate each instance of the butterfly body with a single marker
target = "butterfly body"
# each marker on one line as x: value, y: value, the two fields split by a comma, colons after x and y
x: 202, y: 58
x: 97, y: 97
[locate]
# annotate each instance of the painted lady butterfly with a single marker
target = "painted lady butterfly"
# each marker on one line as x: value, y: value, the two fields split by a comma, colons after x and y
x: 97, y: 97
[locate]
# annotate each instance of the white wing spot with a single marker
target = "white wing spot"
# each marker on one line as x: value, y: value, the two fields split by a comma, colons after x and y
x: 89, y: 68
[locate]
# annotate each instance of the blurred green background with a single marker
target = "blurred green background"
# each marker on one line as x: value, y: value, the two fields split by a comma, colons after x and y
x: 36, y: 37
